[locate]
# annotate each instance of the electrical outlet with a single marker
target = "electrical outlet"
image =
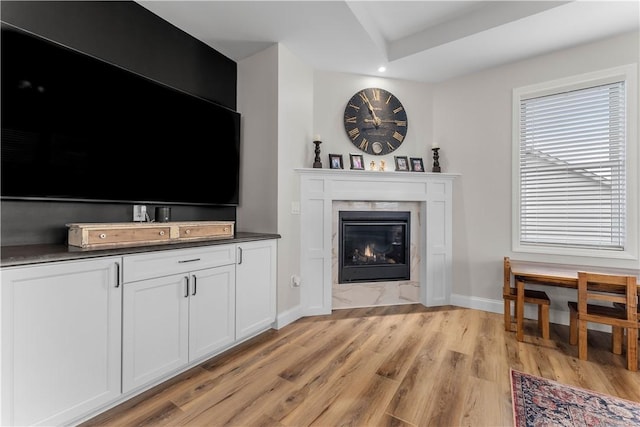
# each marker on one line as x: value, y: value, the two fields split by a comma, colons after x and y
x: 139, y: 212
x: 295, y: 281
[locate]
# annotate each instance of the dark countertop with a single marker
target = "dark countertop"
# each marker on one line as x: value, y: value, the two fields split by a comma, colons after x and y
x: 37, y: 254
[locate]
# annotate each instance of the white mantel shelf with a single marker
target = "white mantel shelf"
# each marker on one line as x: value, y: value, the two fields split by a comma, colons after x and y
x: 355, y: 172
x: 319, y: 188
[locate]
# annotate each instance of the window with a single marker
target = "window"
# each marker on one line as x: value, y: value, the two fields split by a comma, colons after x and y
x: 571, y: 156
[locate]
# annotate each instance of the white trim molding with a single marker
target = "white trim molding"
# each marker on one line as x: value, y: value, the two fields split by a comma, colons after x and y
x: 319, y: 188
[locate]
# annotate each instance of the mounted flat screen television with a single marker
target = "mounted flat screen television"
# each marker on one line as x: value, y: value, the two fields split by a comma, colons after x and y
x: 76, y: 128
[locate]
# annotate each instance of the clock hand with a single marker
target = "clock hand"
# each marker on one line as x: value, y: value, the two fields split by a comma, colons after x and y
x: 381, y: 121
x: 376, y: 120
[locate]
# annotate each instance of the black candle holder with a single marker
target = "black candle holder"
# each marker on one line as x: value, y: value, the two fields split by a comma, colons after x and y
x: 436, y: 164
x: 316, y: 162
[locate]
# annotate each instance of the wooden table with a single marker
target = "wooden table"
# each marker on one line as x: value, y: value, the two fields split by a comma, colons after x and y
x: 549, y: 274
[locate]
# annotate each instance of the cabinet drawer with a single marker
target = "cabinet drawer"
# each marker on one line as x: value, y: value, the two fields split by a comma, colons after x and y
x: 194, y: 231
x: 164, y: 263
x: 128, y: 235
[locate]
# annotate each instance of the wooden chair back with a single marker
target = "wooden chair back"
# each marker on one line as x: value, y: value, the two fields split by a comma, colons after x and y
x: 540, y: 298
x: 594, y: 287
x: 506, y: 286
x: 619, y: 290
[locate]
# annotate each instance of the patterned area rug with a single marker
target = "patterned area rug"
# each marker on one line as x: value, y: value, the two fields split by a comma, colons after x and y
x: 541, y: 402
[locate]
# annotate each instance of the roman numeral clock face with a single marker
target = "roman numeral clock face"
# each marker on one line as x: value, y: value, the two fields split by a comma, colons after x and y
x: 375, y: 121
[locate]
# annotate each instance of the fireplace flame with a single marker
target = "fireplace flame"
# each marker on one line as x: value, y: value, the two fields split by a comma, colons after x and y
x: 368, y: 252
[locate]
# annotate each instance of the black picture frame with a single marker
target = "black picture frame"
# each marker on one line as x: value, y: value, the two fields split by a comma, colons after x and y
x: 417, y: 165
x: 357, y: 161
x: 335, y: 161
x: 402, y: 163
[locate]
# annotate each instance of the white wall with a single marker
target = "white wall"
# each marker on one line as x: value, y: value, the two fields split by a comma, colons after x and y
x: 275, y: 97
x: 295, y: 130
x: 258, y: 104
x: 472, y: 122
x: 332, y: 91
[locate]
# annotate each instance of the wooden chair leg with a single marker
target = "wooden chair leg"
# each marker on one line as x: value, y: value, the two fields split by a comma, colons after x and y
x: 519, y: 306
x: 543, y: 320
x: 540, y: 317
x: 632, y: 349
x: 573, y: 327
x: 507, y: 315
x: 616, y: 333
x: 582, y: 339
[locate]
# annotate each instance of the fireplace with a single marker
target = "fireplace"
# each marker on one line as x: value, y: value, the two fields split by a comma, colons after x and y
x: 373, y: 246
x: 326, y: 192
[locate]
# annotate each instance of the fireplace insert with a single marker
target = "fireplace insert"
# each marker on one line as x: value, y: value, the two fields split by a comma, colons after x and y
x: 373, y: 246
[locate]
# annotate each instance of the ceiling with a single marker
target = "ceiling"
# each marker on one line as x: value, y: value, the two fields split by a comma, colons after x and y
x: 423, y: 41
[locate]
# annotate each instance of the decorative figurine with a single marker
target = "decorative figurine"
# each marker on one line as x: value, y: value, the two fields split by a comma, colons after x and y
x: 382, y: 166
x: 372, y: 165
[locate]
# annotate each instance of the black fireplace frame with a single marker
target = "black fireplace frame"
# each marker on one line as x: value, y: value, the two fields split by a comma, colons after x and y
x: 362, y: 273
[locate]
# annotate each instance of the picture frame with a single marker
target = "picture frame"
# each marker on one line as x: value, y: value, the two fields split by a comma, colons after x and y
x: 416, y: 164
x: 402, y: 163
x: 357, y: 162
x: 335, y: 161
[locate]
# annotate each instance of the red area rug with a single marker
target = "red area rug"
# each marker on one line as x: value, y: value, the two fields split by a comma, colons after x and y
x: 541, y: 402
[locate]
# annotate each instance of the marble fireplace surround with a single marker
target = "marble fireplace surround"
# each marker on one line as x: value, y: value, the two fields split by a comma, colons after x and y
x: 372, y: 294
x: 321, y: 189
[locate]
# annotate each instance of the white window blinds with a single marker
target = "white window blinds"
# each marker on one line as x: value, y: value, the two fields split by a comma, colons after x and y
x: 572, y: 168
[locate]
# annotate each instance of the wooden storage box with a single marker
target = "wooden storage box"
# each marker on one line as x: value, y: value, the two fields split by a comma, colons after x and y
x: 118, y: 234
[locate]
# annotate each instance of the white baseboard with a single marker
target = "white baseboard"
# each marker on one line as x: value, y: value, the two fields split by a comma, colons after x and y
x: 287, y: 317
x: 560, y: 317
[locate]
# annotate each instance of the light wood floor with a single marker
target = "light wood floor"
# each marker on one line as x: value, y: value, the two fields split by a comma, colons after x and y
x: 386, y: 366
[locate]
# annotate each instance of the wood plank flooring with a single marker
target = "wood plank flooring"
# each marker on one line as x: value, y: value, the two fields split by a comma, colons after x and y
x: 401, y: 365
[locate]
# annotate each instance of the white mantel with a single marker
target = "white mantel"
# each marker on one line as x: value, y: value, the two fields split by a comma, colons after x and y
x: 319, y: 188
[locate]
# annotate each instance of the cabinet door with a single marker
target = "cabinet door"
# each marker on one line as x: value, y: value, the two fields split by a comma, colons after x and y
x: 211, y: 310
x: 60, y: 340
x: 255, y: 287
x: 155, y: 322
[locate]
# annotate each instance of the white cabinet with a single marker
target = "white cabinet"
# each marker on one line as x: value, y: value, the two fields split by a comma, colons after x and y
x: 60, y: 340
x: 171, y: 320
x: 255, y: 287
x: 81, y: 336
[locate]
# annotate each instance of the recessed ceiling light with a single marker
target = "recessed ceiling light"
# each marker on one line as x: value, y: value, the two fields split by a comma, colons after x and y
x: 382, y: 69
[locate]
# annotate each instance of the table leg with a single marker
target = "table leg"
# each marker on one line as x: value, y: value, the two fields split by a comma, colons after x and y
x: 519, y: 310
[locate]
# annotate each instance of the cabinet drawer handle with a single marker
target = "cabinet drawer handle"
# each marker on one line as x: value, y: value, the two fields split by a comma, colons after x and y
x: 103, y: 236
x: 186, y: 286
x: 188, y: 260
x: 162, y: 232
x: 195, y: 284
x: 239, y: 256
x: 187, y: 231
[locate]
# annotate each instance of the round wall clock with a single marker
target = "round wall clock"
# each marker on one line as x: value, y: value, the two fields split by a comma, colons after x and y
x: 375, y: 121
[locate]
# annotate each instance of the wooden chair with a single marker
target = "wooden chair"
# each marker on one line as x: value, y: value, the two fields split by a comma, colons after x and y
x: 531, y: 296
x: 622, y: 291
x: 620, y: 331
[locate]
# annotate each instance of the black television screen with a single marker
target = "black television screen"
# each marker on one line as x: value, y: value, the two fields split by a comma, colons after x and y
x: 77, y: 128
